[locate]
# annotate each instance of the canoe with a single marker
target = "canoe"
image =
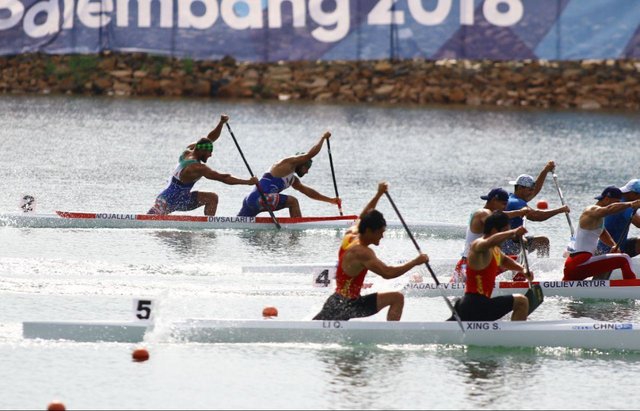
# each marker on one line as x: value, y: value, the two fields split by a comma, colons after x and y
x: 596, y: 289
x: 567, y: 333
x: 580, y: 333
x: 66, y: 219
x: 85, y: 331
x: 418, y: 283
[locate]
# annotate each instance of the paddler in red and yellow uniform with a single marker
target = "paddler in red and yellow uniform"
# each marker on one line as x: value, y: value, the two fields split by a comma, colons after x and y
x: 484, y: 262
x: 355, y: 259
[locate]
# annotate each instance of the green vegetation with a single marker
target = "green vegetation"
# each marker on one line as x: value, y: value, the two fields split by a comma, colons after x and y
x: 187, y: 65
x: 82, y: 66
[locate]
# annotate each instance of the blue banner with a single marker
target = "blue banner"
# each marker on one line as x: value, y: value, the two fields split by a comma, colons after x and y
x: 272, y: 30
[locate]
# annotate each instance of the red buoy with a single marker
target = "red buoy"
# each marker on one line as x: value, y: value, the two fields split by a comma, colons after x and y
x: 543, y: 205
x: 140, y: 354
x: 270, y: 312
x: 56, y: 406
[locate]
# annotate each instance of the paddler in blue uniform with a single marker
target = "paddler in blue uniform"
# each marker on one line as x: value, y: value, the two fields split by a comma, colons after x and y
x: 525, y: 189
x: 282, y: 175
x: 191, y: 168
x: 618, y: 224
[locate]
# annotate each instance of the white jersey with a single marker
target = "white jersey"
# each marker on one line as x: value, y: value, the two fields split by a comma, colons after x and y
x: 470, y: 237
x: 587, y: 240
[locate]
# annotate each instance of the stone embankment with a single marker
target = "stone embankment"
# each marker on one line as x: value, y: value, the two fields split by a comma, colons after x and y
x: 602, y: 84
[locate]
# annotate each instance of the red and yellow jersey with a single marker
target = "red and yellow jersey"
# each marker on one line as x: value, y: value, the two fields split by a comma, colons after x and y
x: 346, y: 286
x: 483, y: 281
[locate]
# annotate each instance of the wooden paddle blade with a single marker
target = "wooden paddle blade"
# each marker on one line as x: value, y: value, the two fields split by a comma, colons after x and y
x: 535, y: 297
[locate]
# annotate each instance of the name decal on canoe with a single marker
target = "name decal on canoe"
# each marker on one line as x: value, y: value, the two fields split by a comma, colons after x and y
x: 433, y: 286
x: 571, y: 284
x: 235, y: 219
x: 107, y: 216
x: 331, y: 324
x: 486, y: 326
x: 604, y: 326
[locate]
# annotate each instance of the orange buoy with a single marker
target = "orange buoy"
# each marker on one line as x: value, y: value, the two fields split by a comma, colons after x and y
x: 56, y: 406
x: 270, y: 312
x: 140, y: 354
x: 543, y: 205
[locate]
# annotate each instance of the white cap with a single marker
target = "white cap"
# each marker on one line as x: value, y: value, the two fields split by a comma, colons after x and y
x: 524, y: 180
x: 632, y: 185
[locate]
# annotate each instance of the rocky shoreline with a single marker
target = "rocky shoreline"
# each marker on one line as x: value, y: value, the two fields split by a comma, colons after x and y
x: 590, y: 85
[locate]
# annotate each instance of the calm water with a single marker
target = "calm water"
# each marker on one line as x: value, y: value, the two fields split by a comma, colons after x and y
x: 113, y: 155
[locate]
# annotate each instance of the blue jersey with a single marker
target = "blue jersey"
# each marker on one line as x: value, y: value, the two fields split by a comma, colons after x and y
x: 515, y: 203
x: 178, y: 195
x: 271, y: 187
x: 618, y: 224
x: 270, y: 184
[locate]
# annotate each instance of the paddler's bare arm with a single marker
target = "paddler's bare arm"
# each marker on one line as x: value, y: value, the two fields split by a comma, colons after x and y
x: 288, y: 165
x: 484, y: 244
x: 510, y: 264
x: 606, y: 238
x: 195, y: 171
x: 550, y: 166
x: 370, y: 261
x: 382, y: 188
x: 313, y: 194
x: 479, y: 255
x: 523, y: 212
x: 594, y: 213
x: 213, y: 134
x: 543, y: 215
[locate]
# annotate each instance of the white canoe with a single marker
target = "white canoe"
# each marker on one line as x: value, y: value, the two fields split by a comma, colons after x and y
x: 582, y: 333
x: 574, y: 333
x: 64, y: 219
x: 418, y: 282
x: 84, y: 331
x: 596, y: 289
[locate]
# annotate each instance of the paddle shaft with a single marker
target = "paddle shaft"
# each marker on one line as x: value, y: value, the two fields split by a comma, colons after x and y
x: 525, y: 259
x: 625, y: 232
x: 555, y: 181
x: 264, y: 198
x: 333, y: 175
x: 433, y: 275
x: 534, y: 294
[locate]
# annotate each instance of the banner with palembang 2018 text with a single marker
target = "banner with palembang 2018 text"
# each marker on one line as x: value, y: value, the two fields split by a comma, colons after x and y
x: 272, y: 30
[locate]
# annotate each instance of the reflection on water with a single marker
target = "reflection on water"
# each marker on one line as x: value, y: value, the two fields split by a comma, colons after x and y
x: 272, y: 242
x: 188, y: 243
x: 491, y: 373
x: 601, y: 310
x: 363, y: 368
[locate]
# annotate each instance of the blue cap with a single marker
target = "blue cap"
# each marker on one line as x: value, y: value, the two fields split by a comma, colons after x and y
x: 611, y: 192
x: 498, y: 193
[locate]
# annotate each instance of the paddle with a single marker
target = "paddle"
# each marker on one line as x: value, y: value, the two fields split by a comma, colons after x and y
x: 415, y: 243
x: 333, y: 174
x: 534, y: 293
x: 572, y: 240
x: 264, y: 198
